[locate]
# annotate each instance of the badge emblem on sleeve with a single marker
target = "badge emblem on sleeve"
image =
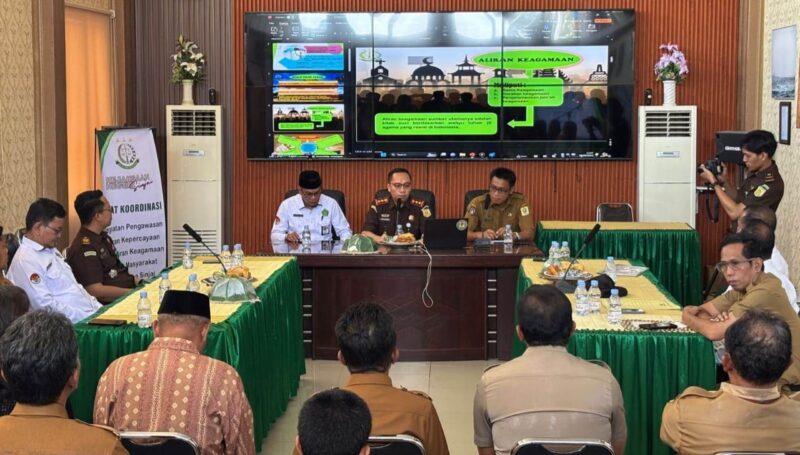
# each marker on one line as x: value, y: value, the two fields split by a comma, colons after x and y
x: 426, y: 212
x: 761, y: 190
x: 35, y: 278
x: 524, y: 210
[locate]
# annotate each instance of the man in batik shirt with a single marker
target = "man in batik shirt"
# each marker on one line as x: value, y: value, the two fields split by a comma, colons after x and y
x: 173, y: 387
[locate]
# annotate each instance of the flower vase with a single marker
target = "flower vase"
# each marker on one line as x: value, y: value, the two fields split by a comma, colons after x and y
x: 669, y: 92
x: 188, y: 85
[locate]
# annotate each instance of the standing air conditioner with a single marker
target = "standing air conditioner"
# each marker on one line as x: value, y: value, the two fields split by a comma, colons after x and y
x: 194, y: 177
x: 667, y: 164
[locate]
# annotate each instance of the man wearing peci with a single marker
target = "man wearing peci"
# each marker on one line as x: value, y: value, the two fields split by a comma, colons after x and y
x: 399, y: 208
x: 489, y: 213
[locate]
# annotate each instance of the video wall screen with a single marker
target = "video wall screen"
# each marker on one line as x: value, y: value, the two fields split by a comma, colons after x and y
x: 460, y: 85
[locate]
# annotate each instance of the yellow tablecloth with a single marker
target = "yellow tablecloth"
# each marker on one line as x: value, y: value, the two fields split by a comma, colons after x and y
x: 615, y: 225
x: 260, y: 267
x: 641, y: 294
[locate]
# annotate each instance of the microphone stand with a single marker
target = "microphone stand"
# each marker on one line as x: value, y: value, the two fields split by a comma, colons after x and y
x: 197, y: 238
x: 562, y: 284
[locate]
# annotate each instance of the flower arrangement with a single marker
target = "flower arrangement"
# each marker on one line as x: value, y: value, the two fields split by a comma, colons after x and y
x: 186, y: 63
x: 672, y: 65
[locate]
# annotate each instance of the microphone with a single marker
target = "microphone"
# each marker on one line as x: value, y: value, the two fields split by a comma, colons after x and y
x: 399, y: 204
x: 562, y: 284
x: 486, y: 201
x: 197, y: 238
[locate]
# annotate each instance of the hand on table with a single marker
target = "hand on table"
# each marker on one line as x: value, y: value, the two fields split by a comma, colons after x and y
x: 292, y: 237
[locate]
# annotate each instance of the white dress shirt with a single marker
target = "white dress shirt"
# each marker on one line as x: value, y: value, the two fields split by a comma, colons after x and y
x: 48, y: 280
x: 293, y: 216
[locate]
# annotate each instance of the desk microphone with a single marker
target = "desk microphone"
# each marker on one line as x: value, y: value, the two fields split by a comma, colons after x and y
x: 197, y: 238
x: 399, y: 204
x: 562, y: 284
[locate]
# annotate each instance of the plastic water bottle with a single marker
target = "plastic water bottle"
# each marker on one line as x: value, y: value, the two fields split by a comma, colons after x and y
x: 614, y: 308
x: 611, y: 268
x: 581, y: 299
x: 143, y: 315
x: 193, y: 285
x: 188, y: 263
x: 508, y: 235
x: 238, y: 255
x: 399, y: 229
x: 163, y: 286
x: 552, y: 255
x: 565, y: 252
x: 306, y: 236
x: 594, y: 297
x: 225, y: 257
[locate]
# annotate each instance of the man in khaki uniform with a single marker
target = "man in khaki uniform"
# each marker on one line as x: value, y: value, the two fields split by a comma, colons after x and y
x: 742, y: 262
x: 39, y: 361
x: 748, y: 413
x: 489, y: 213
x: 547, y: 392
x: 367, y: 346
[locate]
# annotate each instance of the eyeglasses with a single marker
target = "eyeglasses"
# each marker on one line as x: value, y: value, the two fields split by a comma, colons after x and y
x: 734, y: 265
x: 56, y: 231
x: 496, y: 189
x: 311, y: 194
x: 403, y: 186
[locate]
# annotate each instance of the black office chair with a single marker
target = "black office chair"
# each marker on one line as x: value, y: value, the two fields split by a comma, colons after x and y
x: 158, y: 443
x: 336, y: 195
x: 425, y: 195
x: 472, y: 194
x: 562, y: 447
x: 402, y: 444
x: 614, y: 212
x: 12, y: 243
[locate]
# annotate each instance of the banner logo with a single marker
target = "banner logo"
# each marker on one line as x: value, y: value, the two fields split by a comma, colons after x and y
x: 126, y: 157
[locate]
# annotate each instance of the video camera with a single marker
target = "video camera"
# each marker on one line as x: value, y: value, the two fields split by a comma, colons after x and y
x: 714, y: 165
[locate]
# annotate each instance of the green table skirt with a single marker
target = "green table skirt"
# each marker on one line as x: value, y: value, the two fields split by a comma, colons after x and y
x: 672, y: 255
x: 651, y: 368
x: 263, y: 341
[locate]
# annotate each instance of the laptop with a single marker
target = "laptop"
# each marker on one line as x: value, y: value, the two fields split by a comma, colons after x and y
x: 446, y: 234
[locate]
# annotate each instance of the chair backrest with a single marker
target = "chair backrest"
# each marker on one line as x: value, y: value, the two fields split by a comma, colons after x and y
x: 336, y: 195
x: 402, y: 444
x: 470, y: 195
x: 425, y: 195
x: 158, y: 443
x: 12, y: 242
x: 562, y: 447
x: 617, y: 211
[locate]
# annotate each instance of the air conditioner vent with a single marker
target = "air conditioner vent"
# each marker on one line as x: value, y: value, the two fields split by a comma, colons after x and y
x: 668, y: 124
x: 194, y: 122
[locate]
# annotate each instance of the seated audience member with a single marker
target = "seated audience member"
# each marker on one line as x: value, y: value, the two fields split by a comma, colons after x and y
x: 92, y: 254
x: 741, y: 263
x: 39, y: 361
x: 489, y: 213
x: 41, y: 271
x: 764, y: 234
x: 367, y: 347
x: 333, y: 421
x: 13, y: 304
x: 749, y: 413
x: 547, y: 392
x: 173, y: 387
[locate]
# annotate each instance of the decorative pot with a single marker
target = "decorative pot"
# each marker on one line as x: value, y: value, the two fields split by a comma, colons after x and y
x: 669, y: 93
x: 187, y: 100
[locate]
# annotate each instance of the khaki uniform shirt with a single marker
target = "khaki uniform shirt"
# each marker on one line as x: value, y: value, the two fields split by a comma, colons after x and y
x: 762, y: 188
x: 399, y: 411
x: 547, y: 393
x: 93, y: 259
x: 48, y: 430
x: 767, y: 294
x: 736, y: 419
x: 515, y: 211
x: 383, y: 217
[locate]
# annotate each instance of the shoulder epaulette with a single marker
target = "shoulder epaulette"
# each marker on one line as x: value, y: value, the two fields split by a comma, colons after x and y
x: 699, y: 392
x: 382, y: 201
x: 417, y: 392
x: 416, y: 202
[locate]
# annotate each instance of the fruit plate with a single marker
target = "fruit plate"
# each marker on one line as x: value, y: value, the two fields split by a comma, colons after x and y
x: 573, y: 275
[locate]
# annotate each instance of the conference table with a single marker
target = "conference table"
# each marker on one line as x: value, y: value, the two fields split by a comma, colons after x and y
x: 261, y: 340
x: 670, y: 250
x: 652, y: 367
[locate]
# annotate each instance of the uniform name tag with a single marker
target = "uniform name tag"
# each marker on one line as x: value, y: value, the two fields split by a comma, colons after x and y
x: 298, y: 215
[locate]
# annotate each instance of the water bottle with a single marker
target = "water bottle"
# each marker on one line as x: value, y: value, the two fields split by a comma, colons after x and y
x: 508, y: 235
x: 565, y: 252
x: 143, y: 315
x: 594, y: 297
x: 188, y: 263
x: 306, y: 236
x: 238, y: 255
x: 163, y: 286
x: 614, y: 308
x: 552, y: 255
x: 225, y: 257
x: 193, y: 285
x: 611, y: 268
x: 399, y: 229
x: 581, y: 299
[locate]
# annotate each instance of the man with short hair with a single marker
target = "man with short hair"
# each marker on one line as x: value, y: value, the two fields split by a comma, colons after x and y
x: 741, y: 263
x: 367, y: 347
x: 748, y: 412
x: 309, y: 207
x: 762, y: 186
x: 399, y: 208
x: 763, y: 213
x: 92, y: 254
x: 173, y: 387
x: 764, y: 234
x: 39, y: 363
x: 489, y: 213
x: 547, y: 392
x: 41, y: 271
x: 333, y: 421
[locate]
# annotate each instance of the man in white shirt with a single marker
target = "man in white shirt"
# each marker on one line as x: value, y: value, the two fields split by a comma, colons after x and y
x: 309, y: 207
x: 41, y: 271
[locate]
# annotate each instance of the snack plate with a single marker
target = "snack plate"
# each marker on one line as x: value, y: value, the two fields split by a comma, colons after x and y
x: 358, y: 253
x: 397, y: 244
x: 571, y: 276
x: 210, y: 280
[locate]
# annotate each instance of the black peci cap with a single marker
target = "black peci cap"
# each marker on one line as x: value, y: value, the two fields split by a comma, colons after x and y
x: 185, y: 302
x: 310, y: 180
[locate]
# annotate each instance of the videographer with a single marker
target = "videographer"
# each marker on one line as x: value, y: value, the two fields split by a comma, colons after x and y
x: 763, y: 184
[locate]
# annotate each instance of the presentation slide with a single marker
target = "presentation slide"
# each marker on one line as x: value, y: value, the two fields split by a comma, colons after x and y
x: 297, y: 145
x: 308, y: 57
x: 319, y: 86
x: 308, y: 117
